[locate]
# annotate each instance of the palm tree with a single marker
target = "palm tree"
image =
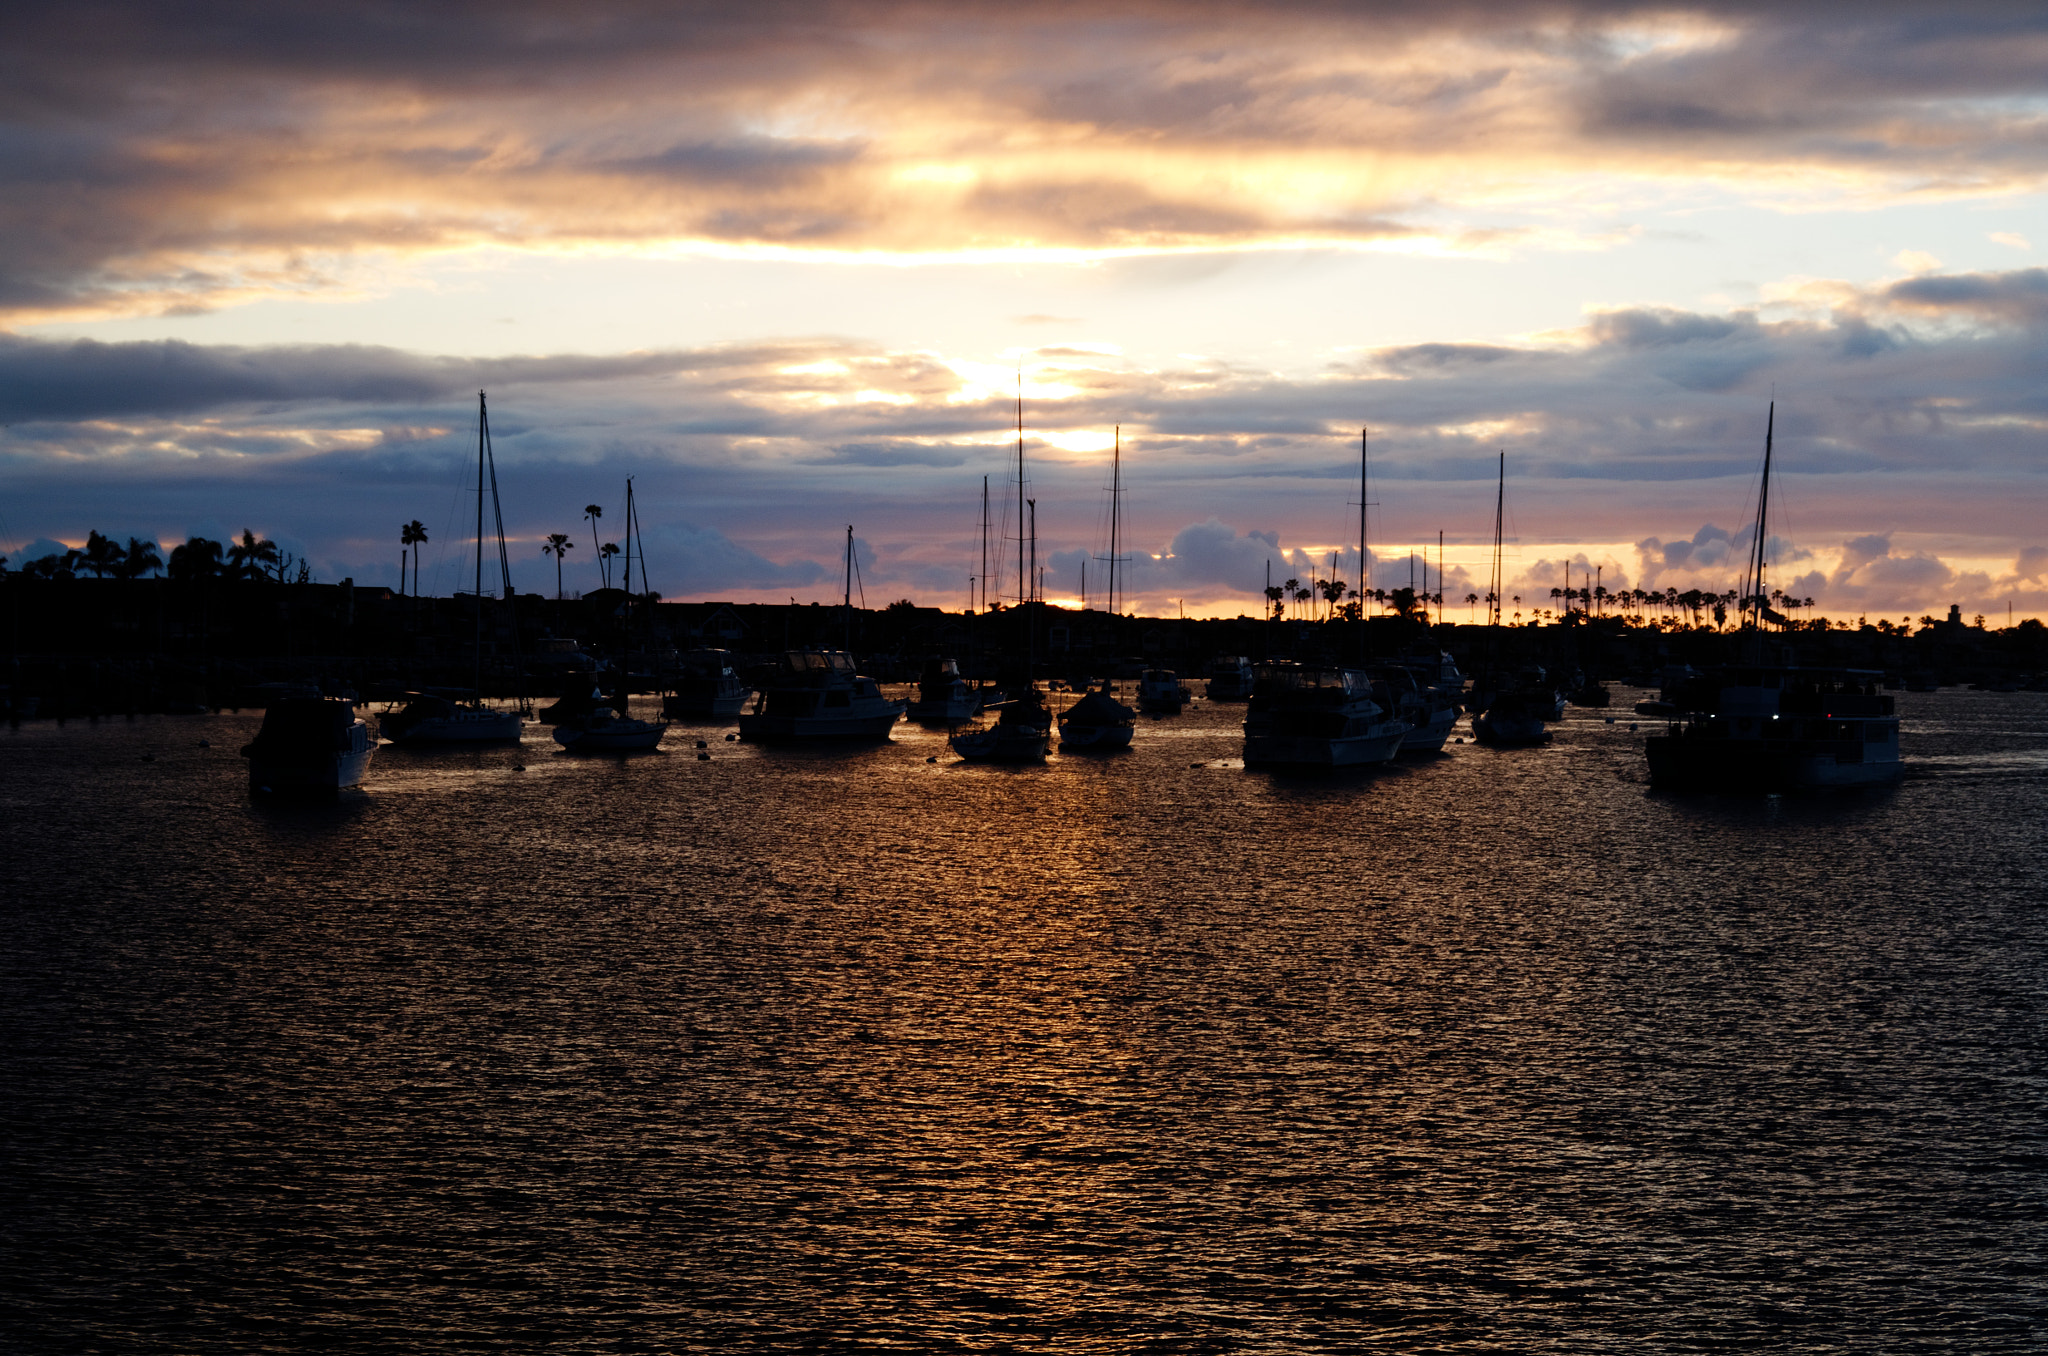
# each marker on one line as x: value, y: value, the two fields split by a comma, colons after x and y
x: 591, y: 513
x: 197, y: 559
x: 412, y: 536
x: 101, y: 555
x: 557, y: 543
x: 140, y: 558
x: 605, y: 553
x: 247, y: 557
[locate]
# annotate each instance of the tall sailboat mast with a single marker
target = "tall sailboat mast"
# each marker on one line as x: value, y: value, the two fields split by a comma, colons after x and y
x: 1753, y: 574
x: 984, y: 543
x: 1023, y: 580
x: 1116, y: 512
x: 1500, y: 500
x: 483, y: 434
x: 848, y: 601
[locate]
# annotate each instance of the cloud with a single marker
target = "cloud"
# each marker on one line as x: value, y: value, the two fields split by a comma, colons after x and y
x: 192, y: 156
x: 779, y: 444
x: 2032, y: 564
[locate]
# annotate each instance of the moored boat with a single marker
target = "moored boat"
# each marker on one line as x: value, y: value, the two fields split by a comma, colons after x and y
x: 943, y: 695
x: 605, y: 730
x: 1097, y: 723
x: 1161, y: 692
x: 1430, y: 714
x: 1775, y: 728
x: 1318, y: 716
x: 1022, y: 733
x: 308, y: 746
x: 818, y: 696
x: 1229, y: 679
x: 707, y: 688
x: 428, y: 718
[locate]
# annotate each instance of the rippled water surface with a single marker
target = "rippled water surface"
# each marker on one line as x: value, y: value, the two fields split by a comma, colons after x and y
x: 850, y: 1050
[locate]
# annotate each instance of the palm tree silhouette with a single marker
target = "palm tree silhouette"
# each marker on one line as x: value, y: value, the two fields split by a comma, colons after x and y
x: 247, y: 557
x: 557, y: 543
x: 101, y: 555
x: 412, y: 536
x: 605, y: 553
x: 591, y: 513
x: 140, y: 558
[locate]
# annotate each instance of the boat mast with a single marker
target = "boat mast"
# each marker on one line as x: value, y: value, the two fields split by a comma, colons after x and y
x: 848, y: 601
x: 984, y: 543
x: 1499, y: 503
x: 1753, y: 575
x: 1023, y: 582
x: 1364, y: 574
x: 483, y: 433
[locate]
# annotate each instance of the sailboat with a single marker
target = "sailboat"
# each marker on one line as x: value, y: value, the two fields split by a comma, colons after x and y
x: 819, y: 696
x: 612, y: 729
x: 1512, y: 709
x: 432, y: 718
x: 1023, y: 731
x: 1762, y: 726
x: 943, y: 694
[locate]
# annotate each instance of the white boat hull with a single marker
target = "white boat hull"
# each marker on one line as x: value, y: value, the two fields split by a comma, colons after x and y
x: 621, y: 740
x: 464, y: 727
x: 1003, y: 744
x: 309, y: 777
x: 1430, y: 736
x: 953, y: 708
x: 766, y: 728
x: 1270, y: 750
x: 1098, y: 738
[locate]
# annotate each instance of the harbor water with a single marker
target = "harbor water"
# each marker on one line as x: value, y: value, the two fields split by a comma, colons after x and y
x: 850, y: 1049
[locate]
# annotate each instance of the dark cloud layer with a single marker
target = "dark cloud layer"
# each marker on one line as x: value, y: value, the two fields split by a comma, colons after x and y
x: 156, y: 156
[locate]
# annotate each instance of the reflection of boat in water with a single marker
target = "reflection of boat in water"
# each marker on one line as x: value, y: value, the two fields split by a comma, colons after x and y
x: 1317, y: 716
x: 1229, y: 679
x: 1022, y: 733
x: 1097, y: 722
x: 427, y: 718
x: 708, y: 687
x: 1779, y: 728
x: 1161, y: 692
x: 606, y: 731
x: 943, y: 695
x: 308, y: 746
x: 819, y: 696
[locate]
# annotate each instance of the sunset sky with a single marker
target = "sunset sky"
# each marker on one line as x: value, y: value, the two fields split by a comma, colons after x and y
x: 782, y: 263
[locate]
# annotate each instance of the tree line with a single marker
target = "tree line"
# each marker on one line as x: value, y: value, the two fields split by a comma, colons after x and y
x: 196, y: 559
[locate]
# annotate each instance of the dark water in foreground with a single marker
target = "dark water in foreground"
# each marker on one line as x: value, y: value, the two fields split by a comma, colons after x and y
x: 851, y: 1051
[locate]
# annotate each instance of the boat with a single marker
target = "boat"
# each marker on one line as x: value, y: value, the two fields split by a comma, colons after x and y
x: 1764, y: 726
x: 1779, y: 728
x: 428, y: 718
x: 1097, y: 723
x: 1509, y: 709
x: 943, y: 695
x: 1161, y: 693
x: 308, y: 746
x: 1022, y: 733
x: 1430, y: 713
x: 1318, y: 716
x: 707, y: 688
x: 605, y: 730
x: 1516, y: 716
x: 818, y: 696
x: 1229, y: 679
